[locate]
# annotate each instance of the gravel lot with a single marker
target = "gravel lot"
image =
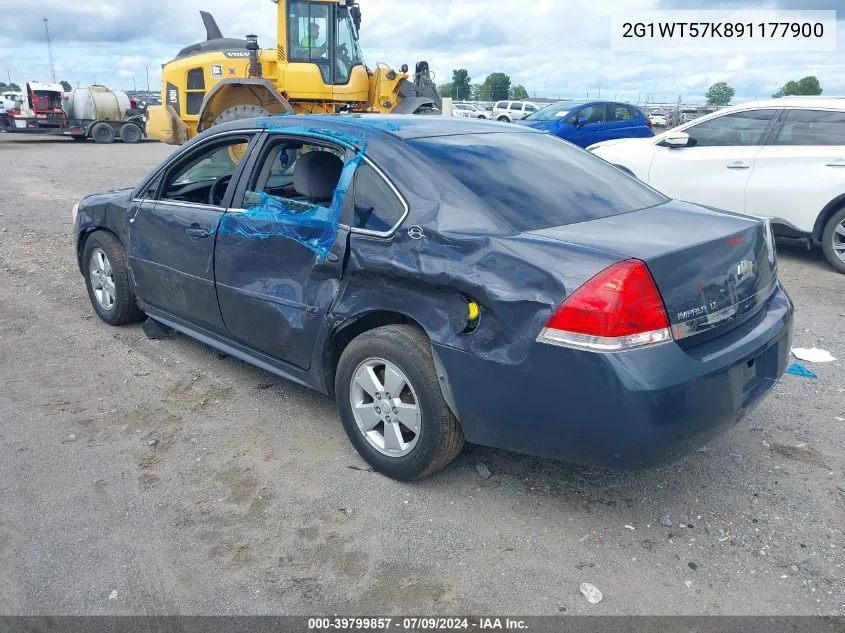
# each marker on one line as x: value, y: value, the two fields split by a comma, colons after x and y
x: 158, y: 477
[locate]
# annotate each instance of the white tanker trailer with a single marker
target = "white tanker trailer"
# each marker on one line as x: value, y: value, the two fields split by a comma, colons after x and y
x: 95, y: 112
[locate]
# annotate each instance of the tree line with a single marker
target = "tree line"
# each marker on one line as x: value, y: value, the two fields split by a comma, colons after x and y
x: 721, y: 94
x: 496, y: 87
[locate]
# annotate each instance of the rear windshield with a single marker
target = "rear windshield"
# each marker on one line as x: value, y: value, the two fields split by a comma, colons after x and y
x: 536, y: 181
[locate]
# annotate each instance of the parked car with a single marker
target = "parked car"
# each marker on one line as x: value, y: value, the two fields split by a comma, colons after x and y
x: 510, y: 111
x: 586, y: 122
x: 469, y: 110
x: 778, y: 159
x: 658, y: 120
x: 566, y: 311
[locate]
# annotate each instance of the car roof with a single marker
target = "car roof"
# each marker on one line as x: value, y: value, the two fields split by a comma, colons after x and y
x: 402, y: 126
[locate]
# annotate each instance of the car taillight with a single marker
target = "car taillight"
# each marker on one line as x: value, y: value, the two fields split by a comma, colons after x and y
x: 617, y: 310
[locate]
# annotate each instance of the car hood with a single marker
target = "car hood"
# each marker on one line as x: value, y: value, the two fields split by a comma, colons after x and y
x: 537, y: 125
x: 619, y: 141
x: 106, y: 197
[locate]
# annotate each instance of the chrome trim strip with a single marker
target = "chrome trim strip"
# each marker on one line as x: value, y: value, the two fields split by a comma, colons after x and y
x: 604, y: 344
x: 695, y: 325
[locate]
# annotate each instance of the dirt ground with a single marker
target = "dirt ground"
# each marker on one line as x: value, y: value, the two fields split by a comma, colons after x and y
x: 160, y: 477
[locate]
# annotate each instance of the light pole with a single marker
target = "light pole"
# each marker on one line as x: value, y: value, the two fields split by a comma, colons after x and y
x: 49, y: 51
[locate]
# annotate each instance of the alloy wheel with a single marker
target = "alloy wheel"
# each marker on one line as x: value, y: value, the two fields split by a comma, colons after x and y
x: 839, y: 240
x: 102, y: 279
x: 385, y: 407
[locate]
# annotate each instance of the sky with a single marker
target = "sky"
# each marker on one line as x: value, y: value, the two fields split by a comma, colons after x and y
x: 555, y: 48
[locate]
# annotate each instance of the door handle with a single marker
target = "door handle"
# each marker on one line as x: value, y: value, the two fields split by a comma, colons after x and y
x: 738, y: 165
x: 196, y: 232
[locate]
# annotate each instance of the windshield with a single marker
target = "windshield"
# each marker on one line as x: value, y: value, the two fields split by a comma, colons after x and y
x: 549, y: 182
x: 552, y: 112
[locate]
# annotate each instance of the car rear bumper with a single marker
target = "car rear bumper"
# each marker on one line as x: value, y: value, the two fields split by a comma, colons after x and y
x: 623, y: 410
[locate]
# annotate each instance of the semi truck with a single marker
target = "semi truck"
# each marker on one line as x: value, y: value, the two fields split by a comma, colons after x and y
x: 95, y: 112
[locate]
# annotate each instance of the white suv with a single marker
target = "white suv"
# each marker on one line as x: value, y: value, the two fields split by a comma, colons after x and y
x: 468, y: 111
x: 511, y: 111
x: 782, y: 159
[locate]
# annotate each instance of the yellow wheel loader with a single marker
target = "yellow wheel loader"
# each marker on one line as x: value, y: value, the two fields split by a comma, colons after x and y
x: 316, y: 67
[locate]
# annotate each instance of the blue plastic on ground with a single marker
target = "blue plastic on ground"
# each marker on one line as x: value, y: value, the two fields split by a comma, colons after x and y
x: 311, y: 225
x: 797, y: 369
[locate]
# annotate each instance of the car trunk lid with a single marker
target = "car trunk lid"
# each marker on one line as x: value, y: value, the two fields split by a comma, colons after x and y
x: 713, y: 269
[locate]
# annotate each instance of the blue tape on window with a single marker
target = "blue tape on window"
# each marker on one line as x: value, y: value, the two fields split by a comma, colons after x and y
x: 313, y: 226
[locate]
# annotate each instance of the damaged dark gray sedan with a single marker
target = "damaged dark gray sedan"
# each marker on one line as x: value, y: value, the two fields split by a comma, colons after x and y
x: 449, y: 280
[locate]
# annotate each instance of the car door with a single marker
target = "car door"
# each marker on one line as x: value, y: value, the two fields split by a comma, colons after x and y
x: 715, y: 167
x: 800, y: 170
x: 279, y: 258
x: 620, y: 123
x: 172, y: 234
x: 589, y: 122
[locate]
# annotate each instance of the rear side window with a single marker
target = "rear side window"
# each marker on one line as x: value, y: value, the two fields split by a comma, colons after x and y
x: 536, y: 181
x: 516, y: 106
x: 620, y: 112
x: 502, y: 105
x: 731, y: 130
x: 812, y: 127
x: 377, y: 207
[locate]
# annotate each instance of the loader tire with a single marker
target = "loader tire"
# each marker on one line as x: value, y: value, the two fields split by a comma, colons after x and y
x: 236, y: 113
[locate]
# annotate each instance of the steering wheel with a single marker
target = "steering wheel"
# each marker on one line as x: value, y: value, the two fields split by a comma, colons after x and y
x: 218, y: 190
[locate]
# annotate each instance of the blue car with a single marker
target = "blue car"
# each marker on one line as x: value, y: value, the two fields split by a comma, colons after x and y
x: 586, y: 122
x: 566, y: 310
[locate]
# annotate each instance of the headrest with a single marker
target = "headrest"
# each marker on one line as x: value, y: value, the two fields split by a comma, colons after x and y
x: 316, y: 174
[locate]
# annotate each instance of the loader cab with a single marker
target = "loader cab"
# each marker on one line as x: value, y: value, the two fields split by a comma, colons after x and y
x: 324, y: 33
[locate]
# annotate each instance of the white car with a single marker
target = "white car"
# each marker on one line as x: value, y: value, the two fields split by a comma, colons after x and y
x: 510, y: 111
x: 658, y: 120
x: 469, y: 111
x: 782, y: 159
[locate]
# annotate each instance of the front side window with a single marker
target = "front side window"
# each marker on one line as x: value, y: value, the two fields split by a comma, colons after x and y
x: 347, y: 48
x: 731, y: 130
x: 530, y: 108
x: 376, y: 205
x: 812, y: 127
x: 204, y: 177
x: 308, y: 30
x: 591, y: 114
x: 501, y: 105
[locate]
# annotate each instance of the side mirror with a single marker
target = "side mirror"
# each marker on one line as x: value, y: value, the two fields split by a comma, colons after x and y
x: 676, y: 140
x: 580, y: 121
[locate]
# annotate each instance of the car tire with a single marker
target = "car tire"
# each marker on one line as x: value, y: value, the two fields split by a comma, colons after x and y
x: 131, y: 133
x: 236, y: 113
x: 504, y: 119
x: 407, y: 351
x: 107, y: 280
x: 103, y: 133
x: 833, y: 237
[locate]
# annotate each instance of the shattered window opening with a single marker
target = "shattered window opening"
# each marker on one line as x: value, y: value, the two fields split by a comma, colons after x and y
x: 274, y: 208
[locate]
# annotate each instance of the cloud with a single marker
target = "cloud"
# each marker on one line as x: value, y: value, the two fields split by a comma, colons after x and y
x: 735, y: 64
x: 556, y: 48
